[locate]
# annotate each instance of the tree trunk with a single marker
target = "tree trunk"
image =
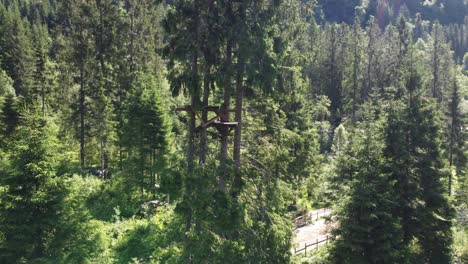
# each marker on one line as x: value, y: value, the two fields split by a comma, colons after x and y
x: 239, y: 105
x: 370, y: 62
x: 225, y: 117
x: 454, y: 109
x: 435, y: 70
x: 82, y: 116
x: 43, y: 96
x: 238, y: 132
x: 191, y: 153
x: 100, y: 45
x: 355, y: 74
x: 450, y: 159
x: 206, y: 94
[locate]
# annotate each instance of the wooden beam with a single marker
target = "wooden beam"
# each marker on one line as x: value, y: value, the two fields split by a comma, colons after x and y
x: 228, y: 124
x: 215, y: 109
x: 208, y: 123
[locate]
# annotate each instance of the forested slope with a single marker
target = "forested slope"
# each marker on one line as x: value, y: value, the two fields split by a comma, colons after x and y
x: 192, y: 131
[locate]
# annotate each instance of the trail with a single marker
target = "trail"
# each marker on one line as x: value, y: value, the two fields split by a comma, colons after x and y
x: 318, y: 230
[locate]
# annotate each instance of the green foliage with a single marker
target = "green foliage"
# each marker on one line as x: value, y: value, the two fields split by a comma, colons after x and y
x: 120, y: 194
x: 368, y: 232
x: 460, y: 245
x: 147, y: 137
x: 332, y: 115
x: 340, y: 139
x: 152, y: 240
x: 32, y: 194
x: 17, y: 54
x: 81, y: 239
x: 428, y: 166
x: 7, y: 115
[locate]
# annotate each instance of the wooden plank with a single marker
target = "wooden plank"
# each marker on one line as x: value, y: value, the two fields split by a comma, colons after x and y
x: 228, y: 124
x: 215, y: 109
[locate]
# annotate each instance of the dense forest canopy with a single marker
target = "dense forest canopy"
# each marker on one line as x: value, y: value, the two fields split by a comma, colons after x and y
x: 190, y: 131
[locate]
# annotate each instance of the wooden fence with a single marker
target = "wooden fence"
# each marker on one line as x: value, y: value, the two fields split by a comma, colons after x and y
x: 313, y: 246
x: 309, y: 217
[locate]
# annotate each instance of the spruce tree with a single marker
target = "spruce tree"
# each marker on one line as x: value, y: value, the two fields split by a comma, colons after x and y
x: 355, y: 74
x: 439, y: 60
x: 434, y: 214
x: 147, y: 132
x: 43, y: 72
x: 18, y: 54
x: 368, y: 232
x: 457, y: 137
x: 8, y: 114
x: 32, y: 197
x: 420, y: 170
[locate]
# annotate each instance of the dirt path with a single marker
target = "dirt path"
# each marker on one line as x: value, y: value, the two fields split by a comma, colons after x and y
x: 316, y: 231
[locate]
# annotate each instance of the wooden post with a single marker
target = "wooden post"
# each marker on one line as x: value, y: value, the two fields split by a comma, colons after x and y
x: 316, y: 244
x: 326, y: 243
x: 305, y: 249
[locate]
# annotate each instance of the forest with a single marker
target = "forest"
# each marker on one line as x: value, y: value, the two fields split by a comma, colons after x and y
x: 211, y: 131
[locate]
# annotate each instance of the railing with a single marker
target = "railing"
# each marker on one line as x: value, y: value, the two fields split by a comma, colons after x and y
x: 308, y: 218
x: 313, y: 245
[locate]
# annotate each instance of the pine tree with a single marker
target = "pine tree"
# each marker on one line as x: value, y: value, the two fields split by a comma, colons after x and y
x: 340, y: 139
x: 396, y: 151
x: 31, y: 202
x: 418, y: 31
x: 371, y: 57
x: 44, y: 67
x: 334, y: 72
x: 18, y: 54
x: 434, y: 214
x: 8, y: 113
x: 368, y: 233
x: 457, y: 137
x: 182, y: 26
x: 427, y: 222
x: 439, y: 60
x: 78, y: 32
x: 352, y: 83
x: 147, y: 132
